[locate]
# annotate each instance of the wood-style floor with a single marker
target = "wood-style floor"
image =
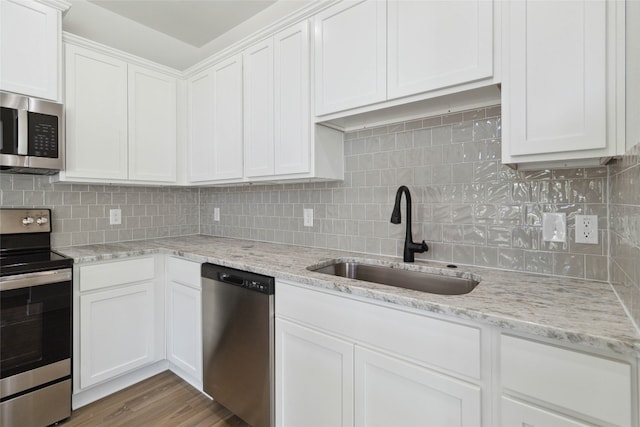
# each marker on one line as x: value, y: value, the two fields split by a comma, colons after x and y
x: 164, y: 400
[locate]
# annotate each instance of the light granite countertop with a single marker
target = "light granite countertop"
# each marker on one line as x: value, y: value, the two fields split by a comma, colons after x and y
x: 566, y: 310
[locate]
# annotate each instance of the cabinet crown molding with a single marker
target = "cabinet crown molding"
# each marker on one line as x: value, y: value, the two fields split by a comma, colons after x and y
x: 296, y: 17
x: 119, y: 54
x: 61, y: 5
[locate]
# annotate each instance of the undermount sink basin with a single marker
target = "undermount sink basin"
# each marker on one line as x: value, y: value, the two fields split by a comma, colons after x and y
x: 406, y: 279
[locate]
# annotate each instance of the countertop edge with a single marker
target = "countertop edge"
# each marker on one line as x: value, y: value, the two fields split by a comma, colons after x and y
x: 506, y: 323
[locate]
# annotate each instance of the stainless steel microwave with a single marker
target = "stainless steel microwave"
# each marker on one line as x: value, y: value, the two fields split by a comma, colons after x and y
x: 31, y: 135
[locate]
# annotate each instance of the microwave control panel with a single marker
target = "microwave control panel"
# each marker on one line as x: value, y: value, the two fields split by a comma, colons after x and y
x: 43, y: 135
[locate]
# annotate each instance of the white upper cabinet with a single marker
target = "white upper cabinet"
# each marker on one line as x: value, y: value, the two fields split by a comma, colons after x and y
x: 563, y: 81
x: 375, y: 54
x: 435, y: 44
x: 96, y: 115
x: 120, y: 120
x: 200, y: 127
x: 292, y: 116
x: 258, y: 110
x: 350, y: 55
x: 227, y: 119
x: 276, y: 105
x: 250, y: 120
x: 152, y: 125
x: 30, y: 38
x: 215, y: 123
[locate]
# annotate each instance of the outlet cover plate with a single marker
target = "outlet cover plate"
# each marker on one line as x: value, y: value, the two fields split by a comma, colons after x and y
x: 587, y: 229
x: 216, y: 214
x: 554, y: 227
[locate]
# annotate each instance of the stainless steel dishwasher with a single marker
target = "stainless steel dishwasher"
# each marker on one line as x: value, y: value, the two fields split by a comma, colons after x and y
x: 238, y: 342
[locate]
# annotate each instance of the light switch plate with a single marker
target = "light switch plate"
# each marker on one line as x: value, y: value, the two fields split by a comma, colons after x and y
x: 216, y: 214
x: 115, y: 216
x: 308, y: 217
x: 554, y: 227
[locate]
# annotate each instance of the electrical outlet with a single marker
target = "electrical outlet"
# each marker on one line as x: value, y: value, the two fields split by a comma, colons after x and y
x: 308, y: 217
x: 554, y: 227
x: 216, y: 214
x: 587, y: 229
x: 115, y: 216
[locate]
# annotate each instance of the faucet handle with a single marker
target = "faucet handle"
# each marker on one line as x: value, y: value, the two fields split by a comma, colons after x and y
x: 424, y: 246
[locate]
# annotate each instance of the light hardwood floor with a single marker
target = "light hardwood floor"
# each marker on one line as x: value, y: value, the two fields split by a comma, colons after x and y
x: 164, y: 400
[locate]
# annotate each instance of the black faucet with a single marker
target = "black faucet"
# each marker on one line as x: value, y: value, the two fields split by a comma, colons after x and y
x: 409, y: 246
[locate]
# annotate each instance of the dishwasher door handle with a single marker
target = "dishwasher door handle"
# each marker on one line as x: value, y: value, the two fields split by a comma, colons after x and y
x: 229, y: 278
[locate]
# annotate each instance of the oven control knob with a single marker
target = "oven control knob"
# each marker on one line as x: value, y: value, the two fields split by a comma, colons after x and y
x: 27, y: 221
x: 42, y: 220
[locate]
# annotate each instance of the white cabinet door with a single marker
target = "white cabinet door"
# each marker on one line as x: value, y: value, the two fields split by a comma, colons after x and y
x: 184, y: 328
x: 29, y: 39
x: 556, y: 69
x: 596, y: 386
x: 350, y: 55
x: 152, y: 125
x: 96, y: 115
x: 516, y: 413
x: 200, y: 153
x: 292, y: 117
x: 117, y: 332
x: 314, y: 372
x: 258, y: 110
x: 227, y: 119
x: 389, y: 392
x: 436, y: 44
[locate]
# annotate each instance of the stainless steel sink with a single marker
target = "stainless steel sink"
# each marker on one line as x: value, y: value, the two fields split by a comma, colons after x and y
x: 406, y: 279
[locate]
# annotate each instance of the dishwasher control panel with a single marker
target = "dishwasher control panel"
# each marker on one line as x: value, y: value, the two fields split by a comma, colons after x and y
x: 243, y: 279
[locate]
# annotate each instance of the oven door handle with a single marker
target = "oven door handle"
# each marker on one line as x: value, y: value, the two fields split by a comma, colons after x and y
x: 26, y: 280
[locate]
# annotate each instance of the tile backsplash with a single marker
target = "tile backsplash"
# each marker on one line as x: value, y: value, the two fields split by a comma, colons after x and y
x: 624, y: 220
x: 81, y: 212
x: 467, y: 206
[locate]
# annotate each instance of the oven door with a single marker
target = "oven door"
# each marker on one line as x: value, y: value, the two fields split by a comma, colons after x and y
x: 36, y: 328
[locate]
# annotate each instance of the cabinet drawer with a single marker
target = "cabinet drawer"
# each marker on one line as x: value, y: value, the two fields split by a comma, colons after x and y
x: 515, y: 413
x: 97, y: 276
x: 450, y: 346
x: 588, y: 384
x: 183, y: 271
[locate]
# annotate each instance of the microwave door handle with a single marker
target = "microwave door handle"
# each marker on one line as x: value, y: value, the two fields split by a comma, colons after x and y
x: 23, y: 132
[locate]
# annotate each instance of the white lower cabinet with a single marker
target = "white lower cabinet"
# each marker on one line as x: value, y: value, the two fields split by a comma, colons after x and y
x: 334, y: 367
x: 390, y: 391
x: 565, y: 387
x: 184, y: 319
x: 314, y: 384
x: 117, y: 332
x: 515, y: 413
x: 120, y: 309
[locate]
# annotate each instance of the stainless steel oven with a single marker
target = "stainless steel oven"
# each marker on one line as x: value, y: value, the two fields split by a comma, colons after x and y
x: 35, y: 322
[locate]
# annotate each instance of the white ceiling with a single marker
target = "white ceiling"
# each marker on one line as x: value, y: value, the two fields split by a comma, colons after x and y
x: 175, y: 33
x: 193, y: 22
